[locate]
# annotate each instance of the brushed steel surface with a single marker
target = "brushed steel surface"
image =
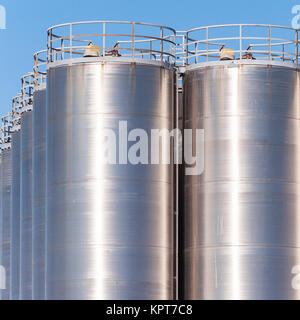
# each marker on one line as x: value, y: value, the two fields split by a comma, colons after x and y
x: 242, y: 215
x: 26, y: 207
x: 5, y: 220
x: 180, y: 198
x: 109, y: 227
x: 15, y: 216
x: 1, y: 231
x: 39, y: 194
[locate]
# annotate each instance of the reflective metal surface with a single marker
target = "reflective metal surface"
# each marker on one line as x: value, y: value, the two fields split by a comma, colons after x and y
x: 5, y: 220
x: 109, y: 227
x: 180, y: 197
x: 38, y: 193
x: 15, y: 216
x: 242, y: 215
x: 26, y: 207
x: 1, y: 231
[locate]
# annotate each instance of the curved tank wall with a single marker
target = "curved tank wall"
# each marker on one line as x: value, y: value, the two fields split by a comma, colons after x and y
x: 15, y: 216
x: 26, y: 207
x: 38, y: 192
x: 242, y: 215
x: 2, y: 270
x: 5, y: 223
x: 109, y: 227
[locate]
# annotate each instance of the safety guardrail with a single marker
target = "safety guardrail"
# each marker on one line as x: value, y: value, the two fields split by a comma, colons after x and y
x: 40, y: 67
x: 27, y: 92
x: 238, y: 42
x: 6, y: 130
x: 104, y: 39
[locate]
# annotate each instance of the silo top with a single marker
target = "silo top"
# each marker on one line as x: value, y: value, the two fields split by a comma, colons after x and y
x: 16, y: 112
x: 27, y: 92
x: 108, y: 40
x: 241, y: 43
x: 40, y: 69
x: 6, y: 130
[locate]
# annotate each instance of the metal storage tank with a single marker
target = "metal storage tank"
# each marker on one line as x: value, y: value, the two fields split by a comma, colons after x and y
x: 39, y: 175
x: 242, y: 235
x: 5, y: 202
x: 15, y: 199
x: 109, y: 227
x: 2, y: 270
x: 26, y: 188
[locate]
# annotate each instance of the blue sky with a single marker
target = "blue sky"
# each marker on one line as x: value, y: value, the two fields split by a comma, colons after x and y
x: 28, y: 20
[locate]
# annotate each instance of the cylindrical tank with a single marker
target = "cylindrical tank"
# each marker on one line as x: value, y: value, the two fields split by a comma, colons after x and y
x: 242, y: 235
x: 26, y: 207
x: 15, y: 199
x: 2, y: 270
x: 5, y: 205
x: 39, y: 191
x: 5, y: 223
x: 26, y: 189
x: 15, y: 217
x: 109, y: 227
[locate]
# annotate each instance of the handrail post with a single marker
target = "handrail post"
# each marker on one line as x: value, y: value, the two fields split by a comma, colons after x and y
x: 297, y: 46
x: 174, y: 47
x: 35, y: 70
x: 161, y: 44
x: 187, y: 49
x: 62, y: 49
x: 269, y: 42
x: 49, y: 46
x: 71, y: 40
x: 133, y: 39
x: 207, y: 47
x: 183, y: 48
x: 241, y: 41
x: 104, y: 40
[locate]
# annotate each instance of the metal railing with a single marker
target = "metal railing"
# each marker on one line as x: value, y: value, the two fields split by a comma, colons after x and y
x: 16, y: 112
x: 27, y: 92
x: 182, y: 40
x: 245, y: 41
x: 6, y: 130
x: 40, y: 67
x: 136, y: 40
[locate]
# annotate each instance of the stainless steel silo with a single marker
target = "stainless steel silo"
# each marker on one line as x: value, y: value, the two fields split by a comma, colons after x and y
x: 109, y: 227
x: 39, y: 177
x: 2, y: 270
x: 242, y: 235
x: 5, y: 203
x: 26, y: 189
x: 15, y: 199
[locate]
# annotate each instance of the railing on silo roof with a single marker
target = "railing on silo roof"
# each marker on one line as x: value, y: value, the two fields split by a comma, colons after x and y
x: 40, y: 67
x: 137, y: 40
x: 247, y: 42
x: 16, y: 112
x: 27, y: 82
x: 6, y: 131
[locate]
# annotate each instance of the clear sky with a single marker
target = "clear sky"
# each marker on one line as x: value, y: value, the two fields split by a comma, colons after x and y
x: 27, y: 21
